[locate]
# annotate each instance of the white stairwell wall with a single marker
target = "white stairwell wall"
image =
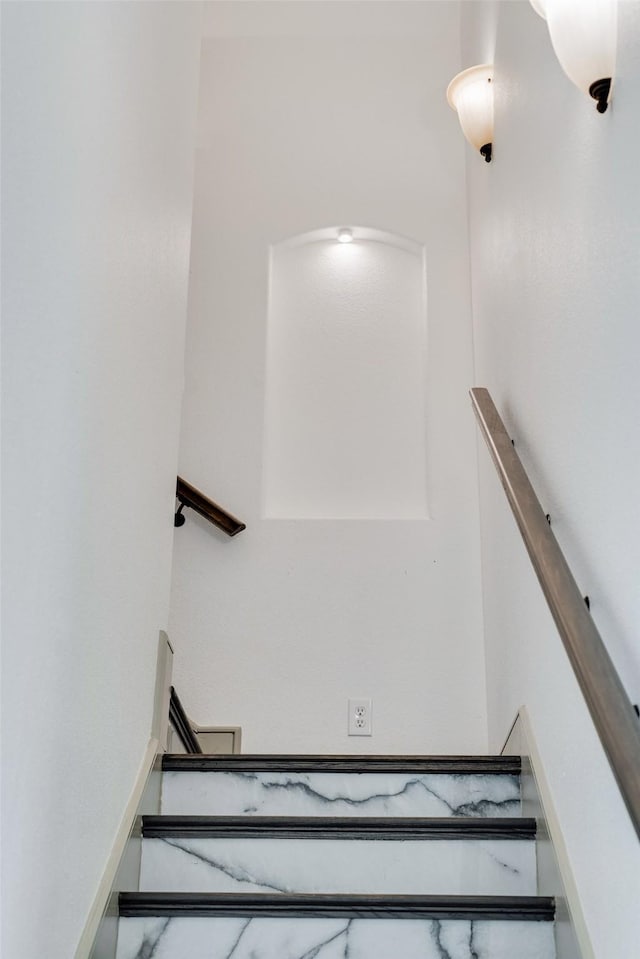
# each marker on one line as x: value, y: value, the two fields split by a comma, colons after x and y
x: 315, y: 115
x: 554, y: 238
x: 98, y: 111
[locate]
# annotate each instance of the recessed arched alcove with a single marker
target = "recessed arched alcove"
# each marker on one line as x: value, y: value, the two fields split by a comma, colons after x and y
x: 345, y: 383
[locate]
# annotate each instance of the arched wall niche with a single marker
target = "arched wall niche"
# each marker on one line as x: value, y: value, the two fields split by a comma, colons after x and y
x: 345, y: 385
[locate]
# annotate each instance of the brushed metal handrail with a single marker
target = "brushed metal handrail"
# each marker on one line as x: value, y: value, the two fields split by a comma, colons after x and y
x: 611, y: 710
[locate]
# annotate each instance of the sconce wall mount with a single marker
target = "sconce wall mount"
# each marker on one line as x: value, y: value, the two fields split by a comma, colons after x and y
x: 600, y: 90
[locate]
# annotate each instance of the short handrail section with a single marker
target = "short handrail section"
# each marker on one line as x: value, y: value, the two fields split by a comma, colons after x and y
x: 188, y: 495
x: 182, y: 725
x: 611, y: 710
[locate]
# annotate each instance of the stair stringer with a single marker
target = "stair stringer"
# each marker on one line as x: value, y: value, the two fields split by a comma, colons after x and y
x: 555, y: 875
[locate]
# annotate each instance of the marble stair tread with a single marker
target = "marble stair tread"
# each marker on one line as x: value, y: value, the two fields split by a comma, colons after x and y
x: 336, y: 827
x: 285, y: 865
x: 333, y: 938
x: 251, y: 905
x: 196, y: 785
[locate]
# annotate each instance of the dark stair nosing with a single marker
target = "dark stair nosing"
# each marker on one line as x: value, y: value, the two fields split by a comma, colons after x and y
x: 317, y: 827
x: 533, y: 908
x: 244, y: 762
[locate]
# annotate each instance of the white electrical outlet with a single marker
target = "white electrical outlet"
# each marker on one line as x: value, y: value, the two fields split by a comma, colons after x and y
x: 359, y: 717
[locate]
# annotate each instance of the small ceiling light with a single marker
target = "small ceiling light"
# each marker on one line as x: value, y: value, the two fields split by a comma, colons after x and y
x: 345, y: 235
x: 470, y: 94
x: 584, y: 37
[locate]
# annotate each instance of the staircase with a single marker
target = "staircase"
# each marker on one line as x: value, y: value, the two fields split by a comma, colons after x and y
x: 293, y: 857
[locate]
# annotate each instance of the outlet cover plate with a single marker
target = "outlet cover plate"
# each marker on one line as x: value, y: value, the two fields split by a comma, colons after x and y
x: 359, y: 717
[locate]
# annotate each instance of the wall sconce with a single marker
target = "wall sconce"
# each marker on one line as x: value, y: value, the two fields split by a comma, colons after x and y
x: 584, y: 37
x: 470, y: 94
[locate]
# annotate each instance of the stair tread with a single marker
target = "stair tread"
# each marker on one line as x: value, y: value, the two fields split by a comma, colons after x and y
x: 336, y: 827
x: 288, y: 762
x: 536, y: 908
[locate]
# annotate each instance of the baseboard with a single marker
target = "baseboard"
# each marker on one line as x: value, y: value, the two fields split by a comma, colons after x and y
x: 127, y: 824
x: 122, y: 870
x: 557, y: 877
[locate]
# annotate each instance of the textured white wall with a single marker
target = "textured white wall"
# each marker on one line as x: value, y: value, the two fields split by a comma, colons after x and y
x: 98, y: 127
x: 556, y: 284
x: 324, y: 114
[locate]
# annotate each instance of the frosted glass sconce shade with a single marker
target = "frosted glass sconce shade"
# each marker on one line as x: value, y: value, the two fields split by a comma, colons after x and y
x: 470, y: 94
x: 584, y: 37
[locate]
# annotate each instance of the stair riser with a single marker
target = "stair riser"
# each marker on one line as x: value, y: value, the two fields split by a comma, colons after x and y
x: 266, y: 938
x: 339, y: 794
x: 427, y: 867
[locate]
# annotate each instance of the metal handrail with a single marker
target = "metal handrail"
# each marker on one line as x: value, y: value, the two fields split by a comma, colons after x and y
x: 611, y: 710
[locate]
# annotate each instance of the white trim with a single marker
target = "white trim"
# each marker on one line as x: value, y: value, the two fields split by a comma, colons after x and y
x: 101, y: 900
x: 236, y: 734
x: 556, y: 836
x: 164, y: 669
